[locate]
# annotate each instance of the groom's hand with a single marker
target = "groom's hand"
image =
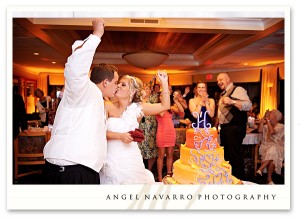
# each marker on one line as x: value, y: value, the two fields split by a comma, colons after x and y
x: 98, y: 26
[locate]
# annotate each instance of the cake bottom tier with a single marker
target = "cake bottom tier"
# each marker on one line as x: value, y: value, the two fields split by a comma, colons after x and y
x: 218, y: 175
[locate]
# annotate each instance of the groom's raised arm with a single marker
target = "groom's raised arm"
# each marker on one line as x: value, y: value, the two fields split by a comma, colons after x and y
x: 79, y: 63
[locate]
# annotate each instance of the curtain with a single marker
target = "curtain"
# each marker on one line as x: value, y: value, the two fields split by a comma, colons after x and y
x: 268, y: 90
x: 281, y: 72
x: 56, y: 79
x: 42, y: 82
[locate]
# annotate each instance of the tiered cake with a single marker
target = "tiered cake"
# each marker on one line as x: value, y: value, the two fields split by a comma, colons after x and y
x: 201, y: 160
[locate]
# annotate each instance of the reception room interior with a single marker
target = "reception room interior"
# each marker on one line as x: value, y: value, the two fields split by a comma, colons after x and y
x: 190, y: 49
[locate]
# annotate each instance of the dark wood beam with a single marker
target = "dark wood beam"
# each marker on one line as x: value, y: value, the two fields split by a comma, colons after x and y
x: 221, y: 45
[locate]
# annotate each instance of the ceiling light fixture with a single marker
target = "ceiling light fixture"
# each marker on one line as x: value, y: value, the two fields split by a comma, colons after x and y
x: 145, y: 59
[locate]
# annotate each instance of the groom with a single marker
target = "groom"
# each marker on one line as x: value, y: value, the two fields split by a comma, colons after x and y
x: 77, y: 148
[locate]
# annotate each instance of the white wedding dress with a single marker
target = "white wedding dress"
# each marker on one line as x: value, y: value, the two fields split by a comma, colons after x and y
x: 124, y: 162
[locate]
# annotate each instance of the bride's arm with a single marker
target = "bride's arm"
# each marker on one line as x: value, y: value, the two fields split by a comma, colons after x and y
x: 124, y: 137
x: 156, y: 108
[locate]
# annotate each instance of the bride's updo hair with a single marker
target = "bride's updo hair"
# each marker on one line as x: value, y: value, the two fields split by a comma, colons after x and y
x: 136, y: 89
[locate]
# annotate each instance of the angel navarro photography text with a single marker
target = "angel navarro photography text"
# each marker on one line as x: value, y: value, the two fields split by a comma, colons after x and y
x: 184, y: 197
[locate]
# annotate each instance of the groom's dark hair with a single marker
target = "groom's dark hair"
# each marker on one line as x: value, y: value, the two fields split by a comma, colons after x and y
x: 103, y: 71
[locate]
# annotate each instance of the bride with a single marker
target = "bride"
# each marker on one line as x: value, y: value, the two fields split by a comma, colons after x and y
x: 124, y: 162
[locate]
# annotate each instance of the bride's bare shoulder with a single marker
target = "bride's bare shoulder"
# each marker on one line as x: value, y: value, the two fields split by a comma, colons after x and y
x: 110, y: 105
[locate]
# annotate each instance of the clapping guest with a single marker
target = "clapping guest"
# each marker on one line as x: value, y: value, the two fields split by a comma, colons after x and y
x: 178, y: 104
x: 272, y: 145
x: 232, y: 117
x: 156, y: 88
x: 182, y: 100
x: 203, y: 106
x: 188, y: 94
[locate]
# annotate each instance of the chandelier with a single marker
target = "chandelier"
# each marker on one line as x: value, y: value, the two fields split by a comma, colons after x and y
x: 145, y: 58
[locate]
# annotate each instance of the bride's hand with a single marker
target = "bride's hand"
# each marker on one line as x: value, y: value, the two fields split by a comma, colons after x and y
x: 162, y: 76
x: 126, y: 138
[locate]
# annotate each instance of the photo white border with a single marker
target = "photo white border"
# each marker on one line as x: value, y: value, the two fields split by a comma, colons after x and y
x: 246, y: 197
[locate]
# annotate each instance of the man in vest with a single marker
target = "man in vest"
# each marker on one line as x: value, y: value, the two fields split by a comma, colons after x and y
x: 232, y: 115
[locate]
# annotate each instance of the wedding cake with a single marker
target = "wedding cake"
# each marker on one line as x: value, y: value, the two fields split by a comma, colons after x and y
x: 201, y: 160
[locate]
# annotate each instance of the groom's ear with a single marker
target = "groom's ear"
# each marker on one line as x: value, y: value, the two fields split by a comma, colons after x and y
x: 105, y: 82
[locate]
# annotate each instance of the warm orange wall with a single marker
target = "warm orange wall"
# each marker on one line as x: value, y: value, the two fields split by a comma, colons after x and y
x: 238, y: 76
x: 176, y: 80
x: 56, y: 79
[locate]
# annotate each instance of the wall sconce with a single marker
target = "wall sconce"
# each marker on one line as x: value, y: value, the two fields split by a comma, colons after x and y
x: 269, y: 85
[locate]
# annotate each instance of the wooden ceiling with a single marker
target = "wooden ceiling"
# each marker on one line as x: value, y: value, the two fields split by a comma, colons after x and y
x: 194, y: 45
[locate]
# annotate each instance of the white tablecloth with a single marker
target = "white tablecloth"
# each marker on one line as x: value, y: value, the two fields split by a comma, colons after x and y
x: 252, y: 138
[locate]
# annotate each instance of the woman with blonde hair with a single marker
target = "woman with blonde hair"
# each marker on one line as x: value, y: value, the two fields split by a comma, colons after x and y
x: 124, y: 162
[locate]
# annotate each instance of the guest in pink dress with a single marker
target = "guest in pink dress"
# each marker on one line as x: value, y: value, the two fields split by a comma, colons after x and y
x: 166, y: 137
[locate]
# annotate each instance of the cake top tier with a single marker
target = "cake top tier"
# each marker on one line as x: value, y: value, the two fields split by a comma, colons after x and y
x: 203, y: 138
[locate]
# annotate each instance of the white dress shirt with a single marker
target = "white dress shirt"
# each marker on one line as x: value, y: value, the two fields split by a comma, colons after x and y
x: 79, y: 131
x: 240, y: 94
x: 41, y: 108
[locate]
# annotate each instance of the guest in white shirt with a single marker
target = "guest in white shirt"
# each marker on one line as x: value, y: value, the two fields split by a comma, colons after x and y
x: 43, y: 105
x: 77, y: 148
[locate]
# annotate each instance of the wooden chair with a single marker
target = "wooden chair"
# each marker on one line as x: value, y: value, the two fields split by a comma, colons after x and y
x: 180, y: 139
x: 28, y: 151
x: 257, y: 158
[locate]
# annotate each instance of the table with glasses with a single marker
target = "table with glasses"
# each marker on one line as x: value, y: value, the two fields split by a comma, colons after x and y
x: 252, y: 139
